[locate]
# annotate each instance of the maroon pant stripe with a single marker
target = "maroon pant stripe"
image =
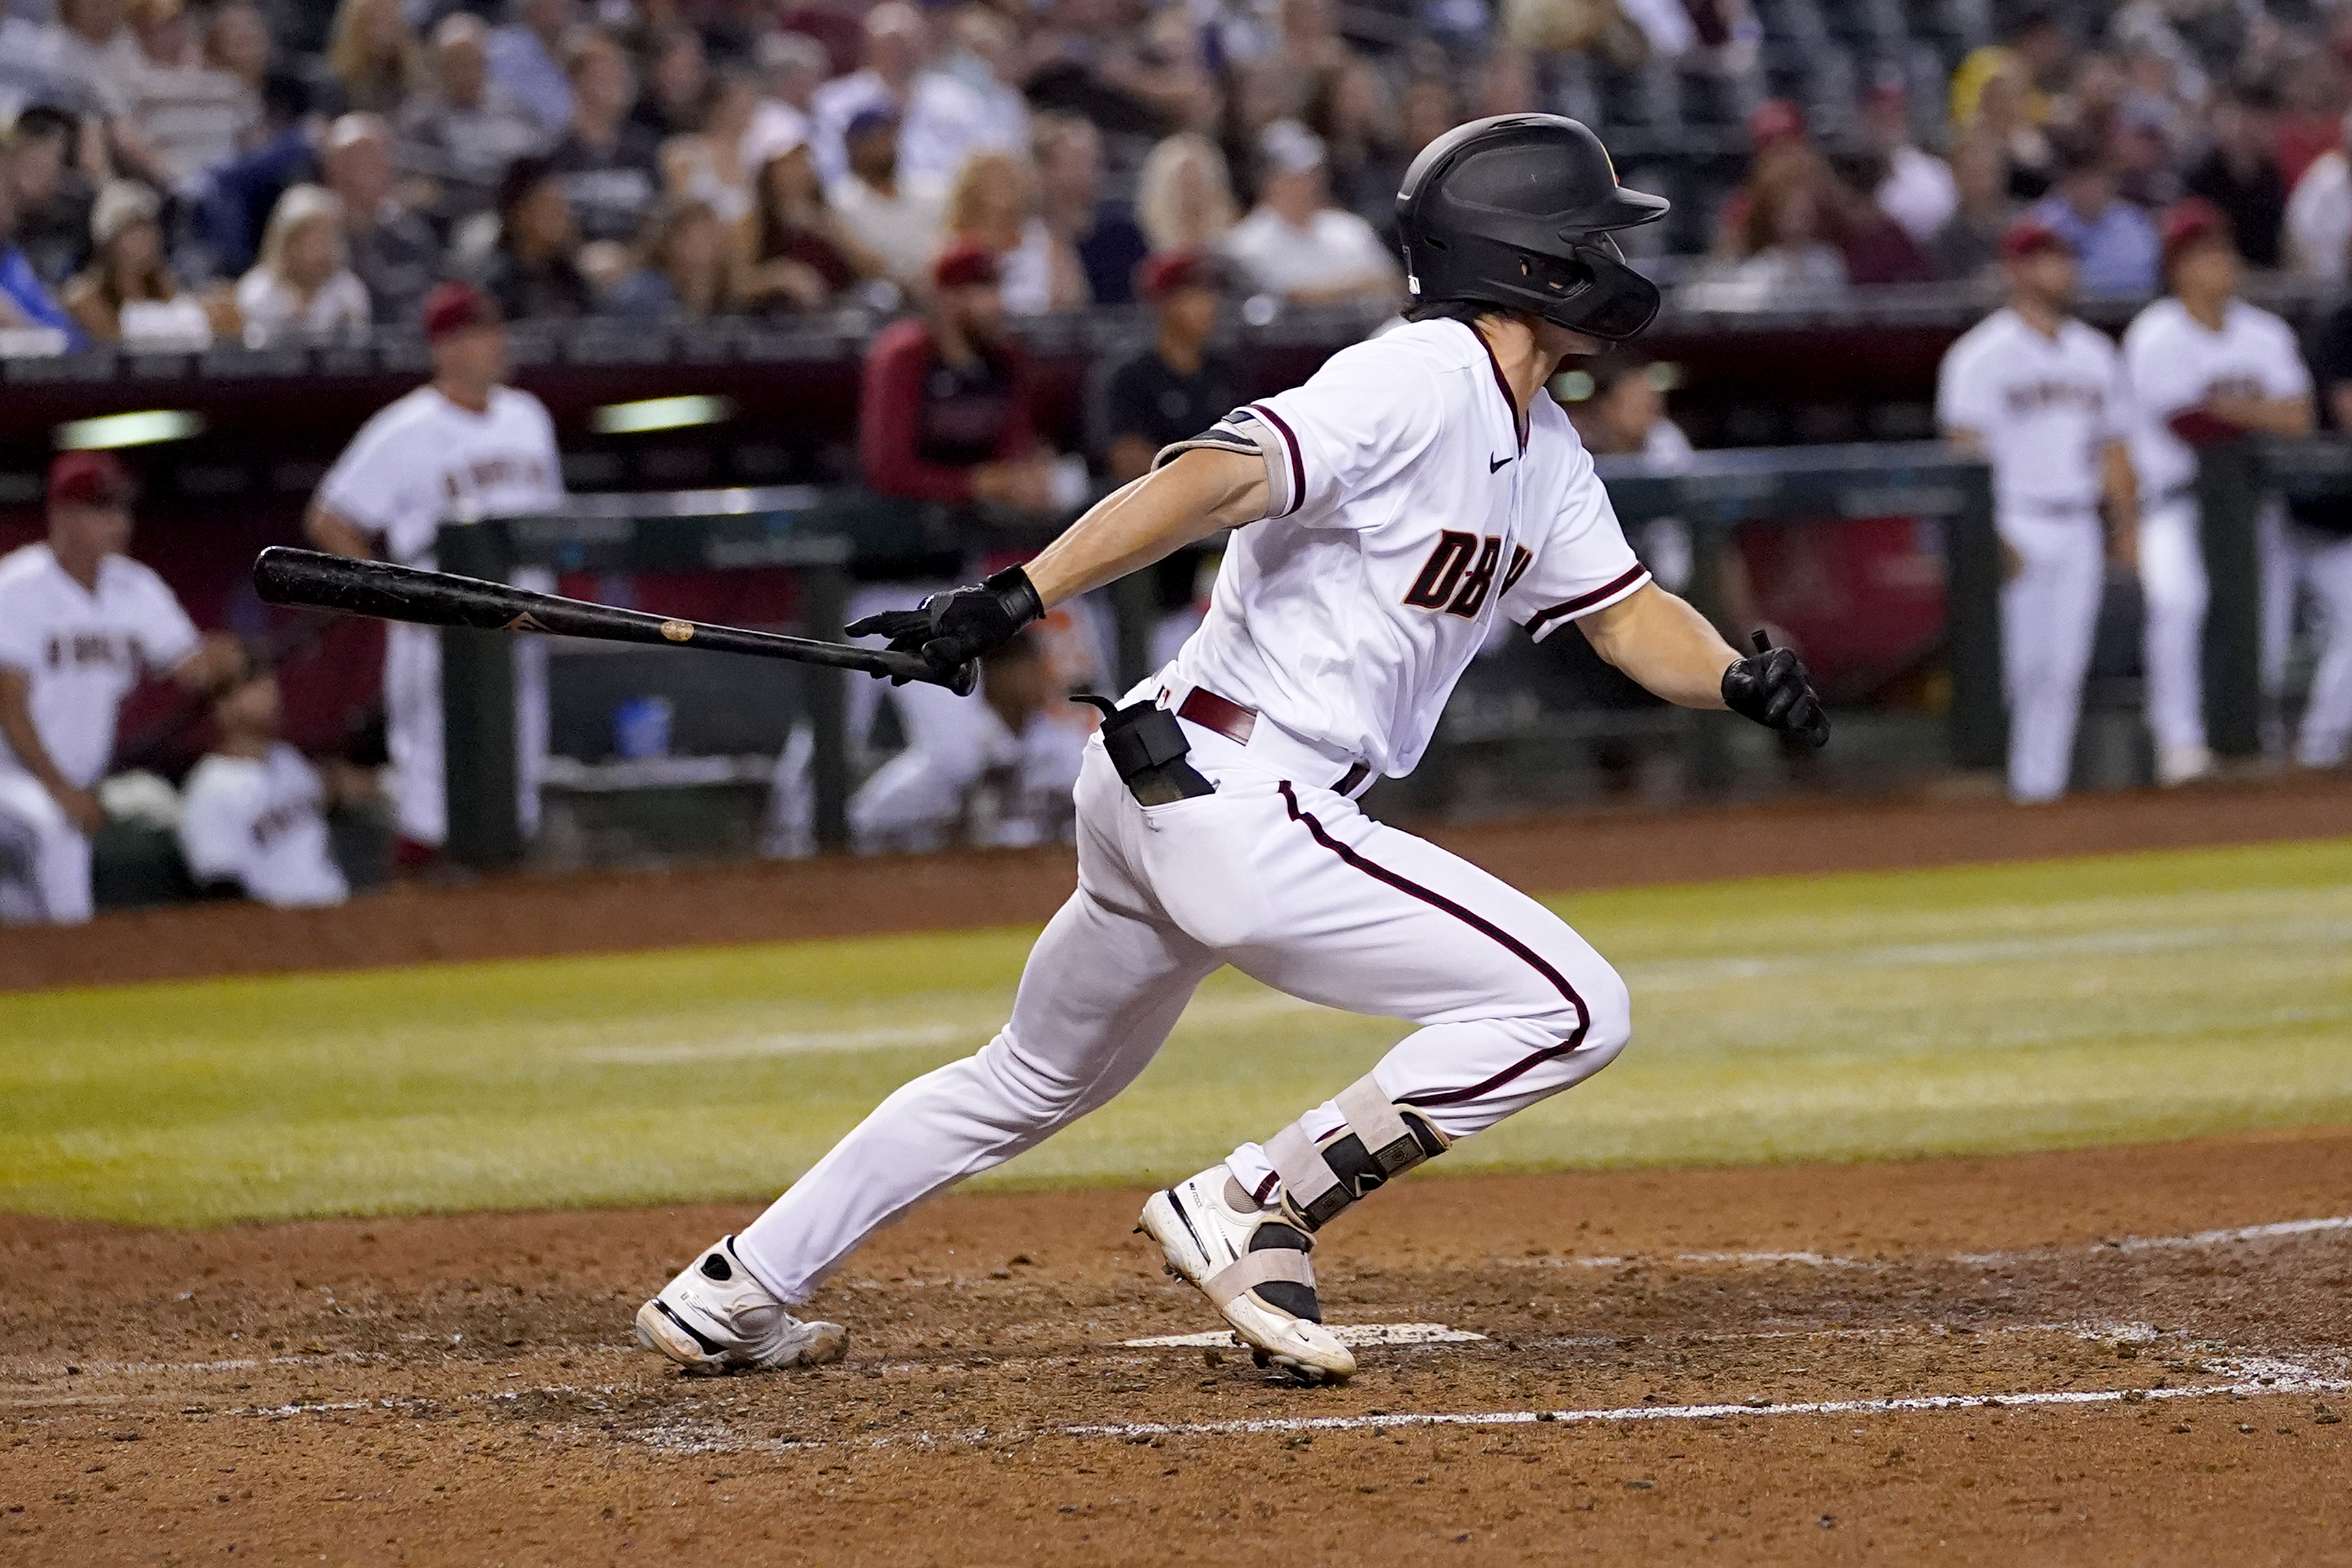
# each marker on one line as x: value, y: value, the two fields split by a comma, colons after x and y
x: 1478, y: 922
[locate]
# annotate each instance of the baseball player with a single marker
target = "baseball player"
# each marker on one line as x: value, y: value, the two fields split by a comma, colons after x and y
x: 1385, y: 514
x: 79, y: 621
x: 253, y: 813
x: 460, y: 447
x: 2042, y: 397
x: 2204, y: 367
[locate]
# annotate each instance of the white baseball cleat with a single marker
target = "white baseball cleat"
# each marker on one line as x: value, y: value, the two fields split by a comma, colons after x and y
x: 2183, y: 764
x: 715, y: 1317
x: 1252, y: 1265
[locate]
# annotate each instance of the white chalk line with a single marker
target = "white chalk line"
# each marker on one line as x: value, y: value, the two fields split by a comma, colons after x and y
x: 1351, y: 1334
x: 2199, y: 1239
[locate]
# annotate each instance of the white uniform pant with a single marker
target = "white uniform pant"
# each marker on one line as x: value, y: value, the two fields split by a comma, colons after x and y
x: 43, y: 858
x: 1286, y: 880
x: 412, y: 730
x: 2173, y: 585
x: 2323, y: 562
x: 2049, y: 613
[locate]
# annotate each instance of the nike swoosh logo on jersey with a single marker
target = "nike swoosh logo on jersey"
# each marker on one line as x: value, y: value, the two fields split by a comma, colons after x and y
x: 1495, y: 465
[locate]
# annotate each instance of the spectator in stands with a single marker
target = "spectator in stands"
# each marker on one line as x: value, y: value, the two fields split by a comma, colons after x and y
x: 1968, y: 245
x: 708, y: 166
x: 374, y: 56
x: 97, y: 51
x: 1098, y: 61
x: 533, y: 273
x: 252, y: 815
x: 2319, y: 214
x: 678, y: 85
x: 1348, y: 107
x: 26, y: 305
x: 50, y: 196
x: 1295, y: 243
x: 1178, y: 387
x: 237, y: 199
x: 2114, y: 242
x: 1099, y: 233
x: 609, y: 162
x: 806, y: 257
x: 792, y: 66
x: 2000, y: 114
x: 237, y: 41
x: 181, y: 116
x: 526, y: 58
x: 80, y: 622
x: 685, y: 267
x: 465, y: 133
x: 392, y: 251
x: 993, y: 202
x: 1918, y: 190
x: 128, y: 293
x: 303, y: 282
x: 2240, y: 174
x: 895, y: 218
x: 945, y: 412
x: 1782, y: 243
x: 940, y: 118
x: 1184, y: 196
x: 987, y: 57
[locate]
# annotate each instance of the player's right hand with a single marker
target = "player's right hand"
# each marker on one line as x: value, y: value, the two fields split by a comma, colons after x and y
x: 951, y: 630
x: 80, y: 806
x: 1774, y: 689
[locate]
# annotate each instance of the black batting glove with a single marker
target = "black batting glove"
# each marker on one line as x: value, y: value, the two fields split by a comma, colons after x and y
x: 952, y: 630
x: 1773, y: 688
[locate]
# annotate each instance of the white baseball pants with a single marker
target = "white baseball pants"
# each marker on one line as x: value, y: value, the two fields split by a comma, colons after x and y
x: 2174, y: 588
x: 412, y: 730
x: 2049, y: 614
x: 1283, y: 878
x: 43, y: 858
x: 2323, y: 562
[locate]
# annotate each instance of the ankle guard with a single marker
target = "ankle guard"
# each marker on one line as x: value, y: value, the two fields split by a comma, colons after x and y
x: 1381, y: 1140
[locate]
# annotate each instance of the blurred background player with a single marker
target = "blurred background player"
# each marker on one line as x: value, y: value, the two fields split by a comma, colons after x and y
x: 2043, y: 397
x: 252, y: 815
x: 461, y: 447
x: 2319, y: 539
x: 79, y: 621
x: 2205, y: 368
x: 1166, y: 391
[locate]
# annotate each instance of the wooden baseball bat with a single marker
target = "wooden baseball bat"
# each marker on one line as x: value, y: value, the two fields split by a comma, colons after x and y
x: 282, y: 575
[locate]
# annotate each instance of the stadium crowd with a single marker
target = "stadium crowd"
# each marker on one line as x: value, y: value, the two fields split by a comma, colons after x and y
x: 250, y: 168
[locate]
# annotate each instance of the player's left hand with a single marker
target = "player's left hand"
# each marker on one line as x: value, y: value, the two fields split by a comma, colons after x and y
x: 951, y: 630
x: 1773, y: 688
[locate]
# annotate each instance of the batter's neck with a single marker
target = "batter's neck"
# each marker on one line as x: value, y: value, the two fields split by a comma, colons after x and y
x: 1526, y: 363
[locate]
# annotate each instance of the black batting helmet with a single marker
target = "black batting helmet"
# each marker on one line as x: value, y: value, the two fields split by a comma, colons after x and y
x: 1517, y: 211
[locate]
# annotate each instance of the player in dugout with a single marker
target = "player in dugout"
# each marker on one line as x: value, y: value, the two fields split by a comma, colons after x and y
x: 79, y: 623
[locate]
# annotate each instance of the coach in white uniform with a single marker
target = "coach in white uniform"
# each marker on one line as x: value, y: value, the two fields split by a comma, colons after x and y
x: 1386, y: 515
x: 79, y: 621
x: 2042, y: 397
x: 253, y: 813
x: 459, y: 449
x: 2205, y: 368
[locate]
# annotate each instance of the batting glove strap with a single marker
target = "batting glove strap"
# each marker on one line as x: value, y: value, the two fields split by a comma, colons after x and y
x: 1774, y: 689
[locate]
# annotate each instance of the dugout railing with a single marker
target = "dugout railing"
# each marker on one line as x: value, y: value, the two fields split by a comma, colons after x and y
x: 823, y: 536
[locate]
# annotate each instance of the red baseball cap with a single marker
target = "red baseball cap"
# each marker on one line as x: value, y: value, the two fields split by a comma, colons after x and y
x: 1775, y: 120
x: 1165, y: 271
x: 2191, y: 222
x: 964, y: 264
x: 2030, y: 236
x: 456, y: 306
x: 93, y: 478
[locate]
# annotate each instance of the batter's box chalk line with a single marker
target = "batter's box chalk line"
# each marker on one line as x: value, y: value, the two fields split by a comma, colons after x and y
x: 1351, y: 1334
x: 2195, y: 1242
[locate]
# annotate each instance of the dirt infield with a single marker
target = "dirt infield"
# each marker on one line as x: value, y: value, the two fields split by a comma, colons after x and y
x: 527, y: 917
x: 2123, y: 1355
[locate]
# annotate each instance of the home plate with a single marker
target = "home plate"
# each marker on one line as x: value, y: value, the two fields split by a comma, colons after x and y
x: 1346, y: 1333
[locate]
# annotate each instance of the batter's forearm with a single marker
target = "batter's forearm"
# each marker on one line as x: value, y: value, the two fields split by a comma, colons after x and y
x: 1141, y: 521
x: 1664, y: 644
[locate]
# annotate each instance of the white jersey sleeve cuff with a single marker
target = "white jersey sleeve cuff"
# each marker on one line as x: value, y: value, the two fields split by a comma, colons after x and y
x: 1550, y: 618
x: 1247, y: 432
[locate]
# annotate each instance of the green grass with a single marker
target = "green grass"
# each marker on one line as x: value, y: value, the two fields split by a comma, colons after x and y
x: 1853, y: 1017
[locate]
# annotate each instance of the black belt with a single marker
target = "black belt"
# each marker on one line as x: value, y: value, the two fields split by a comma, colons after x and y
x: 1237, y: 723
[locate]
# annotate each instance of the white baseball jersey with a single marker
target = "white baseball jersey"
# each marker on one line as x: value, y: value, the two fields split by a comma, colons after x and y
x: 260, y: 821
x: 424, y: 458
x: 1406, y: 517
x: 2047, y: 408
x: 2175, y: 362
x: 84, y: 650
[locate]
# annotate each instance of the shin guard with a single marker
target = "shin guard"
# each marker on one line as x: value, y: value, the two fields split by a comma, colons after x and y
x: 1380, y: 1139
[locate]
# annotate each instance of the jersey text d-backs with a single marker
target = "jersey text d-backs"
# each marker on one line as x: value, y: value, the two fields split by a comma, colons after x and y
x: 1404, y: 516
x: 2047, y: 407
x: 424, y: 458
